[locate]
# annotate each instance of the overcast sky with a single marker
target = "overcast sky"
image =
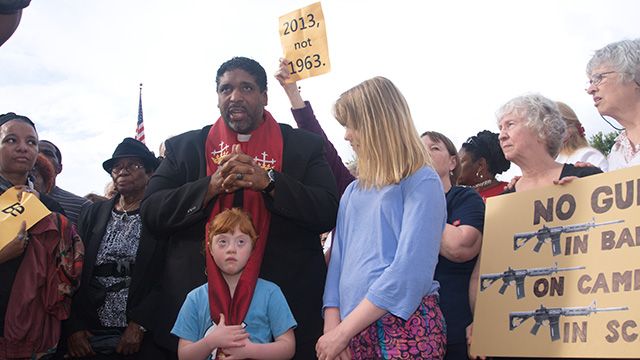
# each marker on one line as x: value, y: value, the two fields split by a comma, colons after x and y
x: 73, y: 66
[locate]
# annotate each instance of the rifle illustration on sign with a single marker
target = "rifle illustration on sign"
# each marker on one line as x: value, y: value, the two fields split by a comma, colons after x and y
x: 552, y: 316
x: 553, y: 233
x: 517, y: 275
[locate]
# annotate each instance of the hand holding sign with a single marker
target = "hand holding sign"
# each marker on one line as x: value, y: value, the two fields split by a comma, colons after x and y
x: 16, y: 246
x: 18, y: 206
x: 304, y: 41
x: 578, y: 275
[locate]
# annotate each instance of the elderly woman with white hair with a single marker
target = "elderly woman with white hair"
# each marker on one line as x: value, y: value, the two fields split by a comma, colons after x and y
x: 614, y: 85
x: 531, y: 134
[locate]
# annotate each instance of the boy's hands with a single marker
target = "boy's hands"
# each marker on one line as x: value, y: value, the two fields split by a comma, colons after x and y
x: 224, y: 336
x: 242, y: 352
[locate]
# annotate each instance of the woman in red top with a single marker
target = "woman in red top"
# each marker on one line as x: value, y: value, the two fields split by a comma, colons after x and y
x: 481, y: 159
x: 40, y: 268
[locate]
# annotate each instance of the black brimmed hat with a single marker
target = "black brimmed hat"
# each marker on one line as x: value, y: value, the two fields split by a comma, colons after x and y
x: 130, y: 147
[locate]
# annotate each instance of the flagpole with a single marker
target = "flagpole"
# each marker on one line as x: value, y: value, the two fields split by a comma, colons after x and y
x: 140, y: 126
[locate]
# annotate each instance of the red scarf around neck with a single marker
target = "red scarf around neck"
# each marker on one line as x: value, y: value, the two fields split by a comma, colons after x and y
x: 265, y: 146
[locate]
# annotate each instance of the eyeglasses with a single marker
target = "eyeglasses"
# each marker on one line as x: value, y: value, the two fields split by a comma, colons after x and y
x: 596, y: 79
x: 130, y: 167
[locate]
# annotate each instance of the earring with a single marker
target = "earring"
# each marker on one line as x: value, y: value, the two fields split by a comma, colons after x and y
x: 479, y: 175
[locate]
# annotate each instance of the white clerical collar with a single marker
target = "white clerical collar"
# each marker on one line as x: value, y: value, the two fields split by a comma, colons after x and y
x: 244, y: 137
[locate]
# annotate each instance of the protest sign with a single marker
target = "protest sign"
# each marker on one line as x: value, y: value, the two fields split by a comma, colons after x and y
x: 559, y: 271
x: 304, y: 42
x: 14, y: 210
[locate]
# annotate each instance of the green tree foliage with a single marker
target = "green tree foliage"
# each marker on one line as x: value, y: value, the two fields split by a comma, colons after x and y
x: 603, y: 142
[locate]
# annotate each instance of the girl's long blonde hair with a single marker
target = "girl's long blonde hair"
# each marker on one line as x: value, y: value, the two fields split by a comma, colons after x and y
x: 389, y: 148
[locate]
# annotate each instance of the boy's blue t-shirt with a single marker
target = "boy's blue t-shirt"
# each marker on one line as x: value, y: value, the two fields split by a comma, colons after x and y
x: 268, y: 316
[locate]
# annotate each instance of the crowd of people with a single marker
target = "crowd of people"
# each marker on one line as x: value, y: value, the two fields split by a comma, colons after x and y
x: 213, y: 250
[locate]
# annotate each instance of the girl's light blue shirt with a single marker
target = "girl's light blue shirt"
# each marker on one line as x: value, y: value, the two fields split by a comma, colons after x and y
x: 386, y: 245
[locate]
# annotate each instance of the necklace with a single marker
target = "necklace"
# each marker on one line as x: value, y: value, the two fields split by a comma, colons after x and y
x: 126, y: 208
x: 483, y: 184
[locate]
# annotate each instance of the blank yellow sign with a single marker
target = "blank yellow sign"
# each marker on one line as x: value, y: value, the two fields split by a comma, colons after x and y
x: 13, y: 211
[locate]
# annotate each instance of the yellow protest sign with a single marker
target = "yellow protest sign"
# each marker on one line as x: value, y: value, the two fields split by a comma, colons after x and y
x: 560, y: 276
x: 304, y: 42
x: 14, y: 211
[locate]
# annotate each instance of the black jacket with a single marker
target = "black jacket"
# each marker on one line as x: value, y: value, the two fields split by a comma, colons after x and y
x: 91, y: 228
x: 305, y: 205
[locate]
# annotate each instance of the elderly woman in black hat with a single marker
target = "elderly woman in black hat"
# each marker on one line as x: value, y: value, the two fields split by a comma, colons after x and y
x: 40, y: 267
x: 102, y: 324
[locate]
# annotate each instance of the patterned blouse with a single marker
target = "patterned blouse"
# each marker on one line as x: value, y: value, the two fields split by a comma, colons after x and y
x: 623, y: 153
x: 119, y: 245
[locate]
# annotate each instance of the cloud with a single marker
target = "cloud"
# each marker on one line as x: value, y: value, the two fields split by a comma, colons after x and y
x: 74, y: 66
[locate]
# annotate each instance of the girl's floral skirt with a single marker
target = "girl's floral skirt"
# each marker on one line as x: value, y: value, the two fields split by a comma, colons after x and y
x: 422, y: 336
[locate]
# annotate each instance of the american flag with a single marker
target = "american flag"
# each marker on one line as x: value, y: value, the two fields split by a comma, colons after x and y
x: 140, y: 127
